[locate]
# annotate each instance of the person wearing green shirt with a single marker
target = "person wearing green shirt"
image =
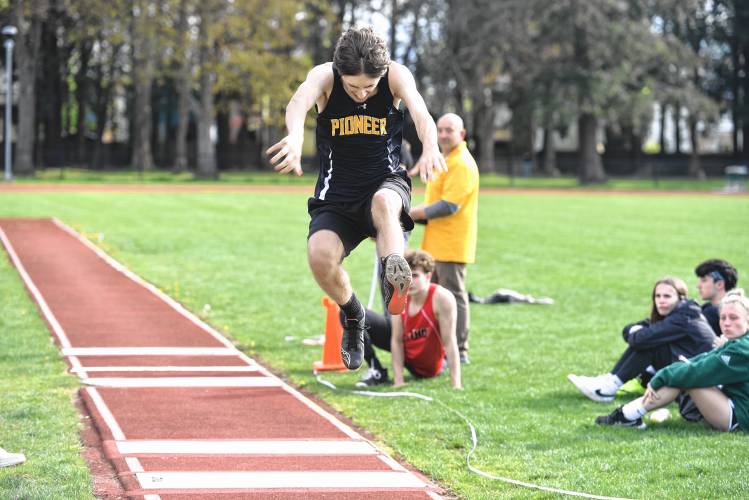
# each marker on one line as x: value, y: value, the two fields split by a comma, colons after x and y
x: 717, y: 381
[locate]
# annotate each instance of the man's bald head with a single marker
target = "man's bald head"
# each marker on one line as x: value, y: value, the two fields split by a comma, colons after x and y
x: 450, y: 132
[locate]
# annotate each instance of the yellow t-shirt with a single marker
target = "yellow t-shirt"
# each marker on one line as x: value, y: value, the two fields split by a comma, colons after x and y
x: 452, y: 238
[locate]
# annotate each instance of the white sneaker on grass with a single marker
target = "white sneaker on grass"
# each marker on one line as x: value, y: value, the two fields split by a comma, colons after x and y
x: 8, y: 459
x: 591, y: 388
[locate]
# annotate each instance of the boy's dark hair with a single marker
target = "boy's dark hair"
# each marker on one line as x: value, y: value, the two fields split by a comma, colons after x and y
x: 677, y: 284
x: 361, y: 51
x: 420, y: 259
x: 718, y: 270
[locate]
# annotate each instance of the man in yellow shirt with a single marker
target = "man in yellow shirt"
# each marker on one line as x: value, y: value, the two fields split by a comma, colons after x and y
x: 450, y: 212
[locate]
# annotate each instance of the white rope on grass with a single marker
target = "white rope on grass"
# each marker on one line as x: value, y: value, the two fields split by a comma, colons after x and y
x: 474, y: 442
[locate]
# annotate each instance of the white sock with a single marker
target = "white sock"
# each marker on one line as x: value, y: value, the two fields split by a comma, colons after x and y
x: 634, y: 410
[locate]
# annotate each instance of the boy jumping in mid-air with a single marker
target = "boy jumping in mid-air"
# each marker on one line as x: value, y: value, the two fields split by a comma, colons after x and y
x: 361, y: 190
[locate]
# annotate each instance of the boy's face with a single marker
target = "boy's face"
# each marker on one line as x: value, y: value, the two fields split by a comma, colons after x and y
x: 708, y: 288
x: 360, y: 87
x: 419, y: 281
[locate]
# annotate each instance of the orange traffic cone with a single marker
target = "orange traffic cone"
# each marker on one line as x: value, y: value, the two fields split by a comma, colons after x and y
x: 331, y: 348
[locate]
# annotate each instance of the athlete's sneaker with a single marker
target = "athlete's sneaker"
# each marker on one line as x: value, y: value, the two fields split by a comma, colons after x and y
x: 590, y: 387
x: 352, y: 342
x: 395, y: 282
x: 8, y: 459
x: 373, y: 377
x: 617, y: 417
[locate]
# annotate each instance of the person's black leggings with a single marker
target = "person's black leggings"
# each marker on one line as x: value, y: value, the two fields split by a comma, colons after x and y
x: 633, y: 363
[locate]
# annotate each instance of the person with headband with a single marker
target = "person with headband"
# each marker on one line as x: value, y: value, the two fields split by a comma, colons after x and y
x: 717, y: 381
x: 716, y: 277
x: 676, y: 329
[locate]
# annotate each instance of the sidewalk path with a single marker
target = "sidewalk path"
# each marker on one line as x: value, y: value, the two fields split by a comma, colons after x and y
x: 182, y: 413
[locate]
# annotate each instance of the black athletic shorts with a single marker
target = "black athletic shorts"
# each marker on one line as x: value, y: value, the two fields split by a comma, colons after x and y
x: 352, y: 221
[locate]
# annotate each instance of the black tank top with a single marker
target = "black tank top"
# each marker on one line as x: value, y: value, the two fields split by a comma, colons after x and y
x: 358, y: 144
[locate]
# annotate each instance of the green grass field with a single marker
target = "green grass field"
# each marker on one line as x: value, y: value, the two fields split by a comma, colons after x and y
x: 244, y: 255
x: 244, y: 177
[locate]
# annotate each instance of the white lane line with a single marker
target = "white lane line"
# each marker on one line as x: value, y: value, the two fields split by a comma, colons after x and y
x: 136, y: 382
x: 106, y: 414
x: 134, y: 464
x: 392, y: 463
x: 148, y: 351
x: 246, y: 447
x: 77, y: 367
x: 151, y: 497
x: 203, y: 368
x: 46, y: 311
x: 275, y: 479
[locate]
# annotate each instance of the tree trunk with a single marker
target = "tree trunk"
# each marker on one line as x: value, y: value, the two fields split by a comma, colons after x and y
x: 143, y: 68
x: 745, y: 94
x: 206, y: 161
x: 677, y: 128
x: 103, y: 98
x: 484, y: 131
x: 393, y: 25
x: 81, y: 94
x: 662, y: 138
x: 590, y: 169
x: 183, y: 94
x: 695, y: 168
x: 27, y: 54
x: 550, y: 153
x: 735, y: 102
x: 49, y: 95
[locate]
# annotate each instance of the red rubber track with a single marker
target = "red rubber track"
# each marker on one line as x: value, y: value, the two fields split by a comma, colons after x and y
x: 176, y: 423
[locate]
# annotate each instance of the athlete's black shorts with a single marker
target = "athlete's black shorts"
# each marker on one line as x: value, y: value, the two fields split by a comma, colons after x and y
x: 352, y: 221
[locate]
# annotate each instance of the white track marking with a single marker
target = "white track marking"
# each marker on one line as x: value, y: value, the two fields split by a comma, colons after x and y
x: 148, y: 351
x: 124, y: 369
x: 77, y: 367
x: 246, y: 447
x: 139, y: 382
x: 392, y: 463
x: 276, y: 480
x: 109, y: 419
x: 151, y: 497
x: 134, y: 464
x: 46, y: 311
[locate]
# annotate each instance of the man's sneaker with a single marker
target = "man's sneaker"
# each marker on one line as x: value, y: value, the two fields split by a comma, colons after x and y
x: 617, y: 417
x: 395, y: 282
x: 373, y: 377
x: 8, y: 459
x: 352, y: 342
x: 464, y: 359
x: 590, y: 387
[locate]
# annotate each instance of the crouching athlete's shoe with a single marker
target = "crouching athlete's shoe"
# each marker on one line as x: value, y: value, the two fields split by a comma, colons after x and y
x: 395, y: 282
x: 352, y: 342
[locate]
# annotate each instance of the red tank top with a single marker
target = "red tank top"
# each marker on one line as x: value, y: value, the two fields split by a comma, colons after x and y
x: 422, y: 344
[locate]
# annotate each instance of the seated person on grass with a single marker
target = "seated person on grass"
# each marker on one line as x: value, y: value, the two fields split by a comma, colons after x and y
x: 676, y: 329
x: 716, y: 278
x: 717, y: 381
x: 422, y: 338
